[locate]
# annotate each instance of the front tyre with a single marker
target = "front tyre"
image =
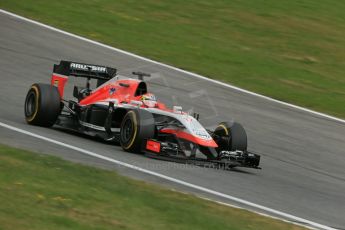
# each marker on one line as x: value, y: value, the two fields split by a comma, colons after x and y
x: 231, y: 137
x: 136, y: 127
x: 42, y: 105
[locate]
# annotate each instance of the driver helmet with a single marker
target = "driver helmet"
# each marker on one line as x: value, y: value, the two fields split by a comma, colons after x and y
x: 149, y: 100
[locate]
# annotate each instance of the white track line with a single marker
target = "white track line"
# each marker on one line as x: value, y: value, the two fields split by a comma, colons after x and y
x: 284, y: 216
x: 174, y: 68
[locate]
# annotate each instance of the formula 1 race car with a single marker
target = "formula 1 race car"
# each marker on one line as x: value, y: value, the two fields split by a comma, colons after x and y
x: 120, y: 109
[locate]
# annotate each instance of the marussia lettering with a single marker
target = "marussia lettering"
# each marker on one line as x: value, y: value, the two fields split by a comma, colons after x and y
x: 87, y: 67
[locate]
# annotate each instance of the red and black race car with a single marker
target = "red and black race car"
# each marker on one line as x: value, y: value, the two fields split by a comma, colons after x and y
x: 122, y: 110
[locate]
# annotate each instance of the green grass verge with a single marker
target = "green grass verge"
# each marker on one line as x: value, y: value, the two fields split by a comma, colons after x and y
x: 44, y: 192
x: 292, y: 50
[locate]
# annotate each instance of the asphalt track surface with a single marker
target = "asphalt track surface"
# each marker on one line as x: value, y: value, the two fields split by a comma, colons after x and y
x: 303, y: 154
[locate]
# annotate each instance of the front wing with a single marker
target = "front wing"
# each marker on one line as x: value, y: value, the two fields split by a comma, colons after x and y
x: 226, y: 160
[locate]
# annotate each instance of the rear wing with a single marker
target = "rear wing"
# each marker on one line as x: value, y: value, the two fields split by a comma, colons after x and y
x: 62, y: 71
x: 68, y: 68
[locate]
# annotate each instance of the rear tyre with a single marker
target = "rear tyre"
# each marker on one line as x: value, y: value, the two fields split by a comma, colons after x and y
x: 231, y: 137
x: 42, y: 105
x: 136, y: 127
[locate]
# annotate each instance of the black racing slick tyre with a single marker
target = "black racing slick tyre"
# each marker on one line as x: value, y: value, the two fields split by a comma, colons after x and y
x: 136, y: 127
x: 231, y: 137
x: 42, y: 105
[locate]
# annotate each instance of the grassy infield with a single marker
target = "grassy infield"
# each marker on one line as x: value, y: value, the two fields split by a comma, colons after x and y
x: 44, y: 192
x: 290, y: 50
